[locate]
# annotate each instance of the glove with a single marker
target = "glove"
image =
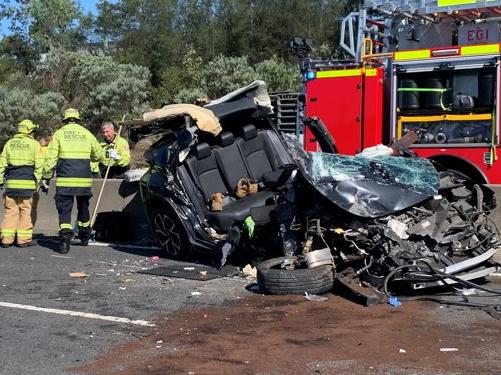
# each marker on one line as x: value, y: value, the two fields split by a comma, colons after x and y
x: 1, y: 186
x: 44, y: 186
x: 114, y: 154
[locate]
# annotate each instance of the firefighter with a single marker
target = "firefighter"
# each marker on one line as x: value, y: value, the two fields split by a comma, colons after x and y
x: 116, y: 151
x: 72, y: 149
x: 36, y: 197
x: 20, y: 170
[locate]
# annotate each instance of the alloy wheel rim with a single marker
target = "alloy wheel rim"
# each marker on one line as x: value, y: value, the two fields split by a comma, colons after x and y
x: 167, y: 233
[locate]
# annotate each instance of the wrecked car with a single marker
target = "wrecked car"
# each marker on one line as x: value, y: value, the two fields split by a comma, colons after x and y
x: 376, y: 224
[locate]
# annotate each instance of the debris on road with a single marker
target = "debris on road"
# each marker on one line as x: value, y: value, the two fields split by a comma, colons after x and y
x: 250, y: 272
x: 78, y: 275
x: 154, y: 259
x: 196, y: 293
x: 394, y: 302
x: 314, y: 297
x: 195, y: 272
x: 449, y: 349
x: 402, y: 351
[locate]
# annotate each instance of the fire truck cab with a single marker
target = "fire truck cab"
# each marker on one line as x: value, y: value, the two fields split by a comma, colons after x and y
x: 428, y: 66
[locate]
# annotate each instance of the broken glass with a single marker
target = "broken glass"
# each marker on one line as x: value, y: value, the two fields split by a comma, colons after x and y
x: 372, y: 187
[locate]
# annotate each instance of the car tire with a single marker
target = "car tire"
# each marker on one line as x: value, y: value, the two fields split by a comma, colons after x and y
x: 273, y: 280
x: 170, y: 233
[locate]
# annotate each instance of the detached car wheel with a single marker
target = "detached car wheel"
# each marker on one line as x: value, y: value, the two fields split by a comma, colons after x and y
x: 274, y: 280
x: 170, y: 233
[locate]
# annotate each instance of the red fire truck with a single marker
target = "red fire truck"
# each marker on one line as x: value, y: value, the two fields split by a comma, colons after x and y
x: 428, y: 66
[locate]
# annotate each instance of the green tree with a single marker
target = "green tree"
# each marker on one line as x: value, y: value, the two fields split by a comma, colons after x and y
x: 98, y: 85
x: 279, y: 75
x: 176, y: 79
x: 53, y: 22
x: 17, y: 104
x: 36, y: 26
x: 142, y: 33
x: 225, y: 74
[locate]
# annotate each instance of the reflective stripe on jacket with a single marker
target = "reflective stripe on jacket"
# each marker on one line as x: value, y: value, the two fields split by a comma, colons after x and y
x: 21, y: 166
x: 70, y: 152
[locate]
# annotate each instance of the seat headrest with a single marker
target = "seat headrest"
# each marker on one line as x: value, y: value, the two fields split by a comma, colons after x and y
x: 226, y: 139
x: 248, y: 132
x: 202, y: 151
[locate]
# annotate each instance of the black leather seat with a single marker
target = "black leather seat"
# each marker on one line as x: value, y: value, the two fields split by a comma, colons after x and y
x: 237, y: 210
x: 230, y: 160
x: 205, y: 172
x: 257, y: 151
x: 212, y: 175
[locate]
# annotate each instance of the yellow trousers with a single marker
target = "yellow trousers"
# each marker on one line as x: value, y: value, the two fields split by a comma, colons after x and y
x: 17, y: 220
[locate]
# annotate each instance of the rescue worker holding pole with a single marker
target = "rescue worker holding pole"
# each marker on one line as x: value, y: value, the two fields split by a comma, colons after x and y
x: 71, y: 151
x: 20, y: 170
x: 116, y: 153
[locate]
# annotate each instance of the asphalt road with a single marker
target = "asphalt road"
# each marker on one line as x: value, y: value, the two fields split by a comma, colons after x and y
x: 220, y: 329
x: 40, y: 342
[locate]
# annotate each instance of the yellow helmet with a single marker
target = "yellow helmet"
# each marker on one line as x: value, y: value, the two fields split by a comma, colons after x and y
x: 71, y: 113
x: 26, y: 127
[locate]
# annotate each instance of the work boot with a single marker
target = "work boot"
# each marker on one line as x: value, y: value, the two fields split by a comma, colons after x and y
x: 28, y: 244
x: 64, y: 245
x: 84, y: 235
x: 217, y: 202
x: 242, y: 188
x: 5, y: 245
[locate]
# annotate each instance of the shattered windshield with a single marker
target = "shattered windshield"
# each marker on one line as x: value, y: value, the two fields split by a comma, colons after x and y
x: 372, y: 187
x: 415, y: 174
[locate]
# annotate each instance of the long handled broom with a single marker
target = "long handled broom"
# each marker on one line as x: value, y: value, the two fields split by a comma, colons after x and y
x: 94, y: 214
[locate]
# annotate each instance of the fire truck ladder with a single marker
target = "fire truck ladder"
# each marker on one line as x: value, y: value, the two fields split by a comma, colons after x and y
x: 433, y: 7
x: 366, y: 33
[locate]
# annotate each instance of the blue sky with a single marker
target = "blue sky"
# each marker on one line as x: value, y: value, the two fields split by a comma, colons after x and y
x: 88, y: 5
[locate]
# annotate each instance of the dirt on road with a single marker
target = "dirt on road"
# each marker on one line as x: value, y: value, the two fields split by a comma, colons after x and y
x: 291, y: 335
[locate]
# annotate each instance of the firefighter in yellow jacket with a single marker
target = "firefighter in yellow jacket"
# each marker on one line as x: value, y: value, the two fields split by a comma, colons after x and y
x: 116, y: 153
x: 72, y: 149
x: 20, y: 171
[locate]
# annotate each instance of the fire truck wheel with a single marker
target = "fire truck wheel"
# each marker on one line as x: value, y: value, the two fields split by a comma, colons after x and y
x: 272, y: 279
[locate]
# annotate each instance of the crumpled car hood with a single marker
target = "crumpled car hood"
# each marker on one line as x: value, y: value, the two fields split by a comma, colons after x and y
x: 372, y: 187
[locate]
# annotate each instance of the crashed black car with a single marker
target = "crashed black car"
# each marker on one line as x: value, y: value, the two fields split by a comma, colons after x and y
x: 376, y: 223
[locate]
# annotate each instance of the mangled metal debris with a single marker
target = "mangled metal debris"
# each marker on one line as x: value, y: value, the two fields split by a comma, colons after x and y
x: 380, y: 225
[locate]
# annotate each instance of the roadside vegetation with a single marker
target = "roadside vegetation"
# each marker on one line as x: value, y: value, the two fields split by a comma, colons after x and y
x: 137, y: 54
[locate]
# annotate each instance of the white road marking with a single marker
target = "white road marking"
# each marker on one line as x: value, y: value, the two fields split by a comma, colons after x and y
x: 79, y: 314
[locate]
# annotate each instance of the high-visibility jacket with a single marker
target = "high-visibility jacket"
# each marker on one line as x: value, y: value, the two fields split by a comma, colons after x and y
x: 122, y: 147
x: 21, y: 166
x: 72, y: 149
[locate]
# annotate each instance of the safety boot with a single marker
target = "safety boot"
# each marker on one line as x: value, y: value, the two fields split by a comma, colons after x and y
x: 64, y: 245
x: 84, y: 236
